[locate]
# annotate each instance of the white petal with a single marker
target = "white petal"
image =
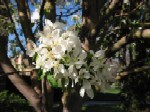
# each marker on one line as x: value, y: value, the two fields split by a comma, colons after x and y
x: 35, y: 16
x: 82, y: 92
x: 86, y: 84
x: 48, y: 22
x: 61, y: 68
x: 58, y: 25
x: 56, y: 33
x: 99, y: 53
x: 91, y: 52
x: 76, y: 80
x: 109, y: 69
x: 47, y: 31
x: 70, y: 69
x: 87, y: 75
x: 66, y: 82
x: 82, y: 71
x: 79, y: 64
x: 43, y: 51
x: 83, y: 55
x: 49, y: 64
x: 90, y: 93
x: 76, y: 52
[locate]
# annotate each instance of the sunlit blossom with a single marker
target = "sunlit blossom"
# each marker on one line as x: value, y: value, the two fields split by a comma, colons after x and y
x: 59, y: 52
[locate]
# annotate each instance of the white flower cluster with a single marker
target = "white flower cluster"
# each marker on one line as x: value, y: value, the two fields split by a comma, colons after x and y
x: 60, y: 52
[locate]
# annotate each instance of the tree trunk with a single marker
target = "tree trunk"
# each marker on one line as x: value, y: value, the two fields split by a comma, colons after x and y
x: 90, y: 20
x: 49, y: 97
x: 25, y: 21
x: 72, y: 102
x: 36, y: 84
x: 19, y: 83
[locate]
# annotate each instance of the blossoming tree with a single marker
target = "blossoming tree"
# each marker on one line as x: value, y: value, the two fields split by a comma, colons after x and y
x: 77, y: 57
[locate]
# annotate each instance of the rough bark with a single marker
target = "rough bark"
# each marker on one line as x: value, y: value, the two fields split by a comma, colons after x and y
x: 90, y: 20
x: 139, y: 34
x: 117, y: 46
x: 93, y: 22
x: 19, y: 83
x: 43, y: 97
x: 36, y: 84
x: 72, y: 102
x: 49, y: 97
x: 135, y: 70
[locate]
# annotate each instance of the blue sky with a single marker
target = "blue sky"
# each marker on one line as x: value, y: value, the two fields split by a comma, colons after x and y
x: 70, y: 22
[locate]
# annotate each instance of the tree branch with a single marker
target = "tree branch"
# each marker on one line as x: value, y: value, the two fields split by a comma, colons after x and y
x: 139, y: 34
x: 132, y: 11
x: 19, y: 83
x: 41, y: 15
x: 17, y: 36
x: 111, y: 8
x: 135, y: 70
x: 70, y: 13
x: 28, y: 10
x: 25, y: 22
x: 110, y: 11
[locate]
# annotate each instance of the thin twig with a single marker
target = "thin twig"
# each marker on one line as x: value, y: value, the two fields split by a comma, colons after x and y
x: 70, y: 13
x: 17, y: 36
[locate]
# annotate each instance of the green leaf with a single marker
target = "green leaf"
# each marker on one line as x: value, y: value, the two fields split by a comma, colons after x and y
x: 40, y: 72
x: 43, y: 75
x: 34, y: 57
x: 52, y: 81
x: 67, y: 59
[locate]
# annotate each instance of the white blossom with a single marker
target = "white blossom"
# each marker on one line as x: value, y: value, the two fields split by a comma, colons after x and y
x: 59, y: 51
x: 35, y: 16
x: 82, y: 92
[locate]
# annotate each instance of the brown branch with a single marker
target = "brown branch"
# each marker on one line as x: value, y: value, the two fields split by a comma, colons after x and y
x: 28, y: 10
x: 142, y: 34
x: 146, y: 24
x: 132, y: 11
x: 139, y: 34
x: 23, y: 72
x: 41, y: 15
x: 70, y: 13
x: 25, y: 22
x: 19, y: 83
x: 110, y: 11
x: 135, y: 70
x: 90, y: 23
x: 117, y: 46
x: 17, y: 36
